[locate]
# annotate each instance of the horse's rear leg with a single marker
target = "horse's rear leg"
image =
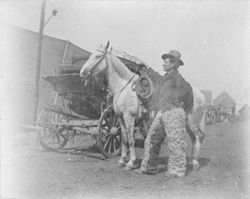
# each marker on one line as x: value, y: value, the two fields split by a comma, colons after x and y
x: 196, y: 132
x: 124, y: 142
x: 197, y: 145
x: 199, y: 137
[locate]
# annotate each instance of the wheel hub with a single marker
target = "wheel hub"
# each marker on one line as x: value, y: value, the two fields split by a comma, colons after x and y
x: 113, y: 130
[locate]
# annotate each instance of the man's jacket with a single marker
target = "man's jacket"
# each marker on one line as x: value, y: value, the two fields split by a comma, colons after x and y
x: 174, y: 92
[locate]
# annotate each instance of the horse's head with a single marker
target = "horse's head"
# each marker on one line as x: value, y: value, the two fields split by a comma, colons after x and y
x: 96, y: 63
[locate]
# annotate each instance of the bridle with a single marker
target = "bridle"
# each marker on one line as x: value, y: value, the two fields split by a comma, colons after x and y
x: 96, y: 63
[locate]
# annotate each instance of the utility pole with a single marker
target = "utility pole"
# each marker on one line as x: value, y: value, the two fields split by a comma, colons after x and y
x: 38, y: 62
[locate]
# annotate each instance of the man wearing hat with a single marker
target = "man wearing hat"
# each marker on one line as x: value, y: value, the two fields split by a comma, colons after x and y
x: 174, y: 101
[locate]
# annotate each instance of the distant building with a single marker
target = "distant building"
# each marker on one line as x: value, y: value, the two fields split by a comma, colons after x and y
x: 224, y: 100
x: 244, y: 113
x: 20, y: 55
x: 245, y: 99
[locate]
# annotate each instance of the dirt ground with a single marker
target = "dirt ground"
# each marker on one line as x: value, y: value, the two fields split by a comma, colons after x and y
x: 28, y: 171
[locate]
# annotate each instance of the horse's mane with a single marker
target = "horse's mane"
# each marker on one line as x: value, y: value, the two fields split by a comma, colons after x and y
x: 120, y: 67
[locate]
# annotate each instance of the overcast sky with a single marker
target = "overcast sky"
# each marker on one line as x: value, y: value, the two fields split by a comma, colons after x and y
x: 213, y: 37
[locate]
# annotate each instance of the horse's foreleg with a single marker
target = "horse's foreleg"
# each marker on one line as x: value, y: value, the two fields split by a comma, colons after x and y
x: 130, y: 122
x: 124, y: 142
x: 199, y: 137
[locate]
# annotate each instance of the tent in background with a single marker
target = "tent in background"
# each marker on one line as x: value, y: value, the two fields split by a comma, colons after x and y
x: 224, y: 100
x: 244, y: 112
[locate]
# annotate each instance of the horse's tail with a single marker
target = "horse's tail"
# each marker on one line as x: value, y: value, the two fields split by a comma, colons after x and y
x: 199, y: 99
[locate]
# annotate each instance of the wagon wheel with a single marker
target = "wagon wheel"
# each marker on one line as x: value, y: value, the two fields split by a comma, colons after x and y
x: 214, y: 116
x: 109, y: 133
x: 52, y: 136
x: 211, y: 115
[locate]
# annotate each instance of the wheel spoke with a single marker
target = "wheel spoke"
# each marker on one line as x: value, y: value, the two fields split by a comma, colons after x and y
x: 117, y: 122
x: 58, y: 138
x: 119, y: 128
x: 107, y: 142
x: 104, y: 122
x: 107, y: 129
x: 110, y: 144
x: 114, y: 141
x: 64, y: 138
x: 107, y: 123
x: 106, y: 135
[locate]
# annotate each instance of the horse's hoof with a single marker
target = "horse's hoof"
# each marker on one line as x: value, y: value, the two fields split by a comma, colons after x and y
x: 139, y: 171
x: 120, y: 164
x: 130, y: 168
x: 196, y: 166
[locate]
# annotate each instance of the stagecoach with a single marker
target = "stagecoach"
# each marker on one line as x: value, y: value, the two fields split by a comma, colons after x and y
x: 81, y: 108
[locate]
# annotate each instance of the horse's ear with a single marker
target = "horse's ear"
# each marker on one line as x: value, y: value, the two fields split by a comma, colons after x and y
x: 106, y: 46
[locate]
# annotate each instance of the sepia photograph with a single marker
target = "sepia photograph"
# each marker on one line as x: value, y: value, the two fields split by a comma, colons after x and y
x: 126, y: 99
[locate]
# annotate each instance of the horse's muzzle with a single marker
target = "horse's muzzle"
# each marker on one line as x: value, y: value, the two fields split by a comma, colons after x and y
x: 84, y: 76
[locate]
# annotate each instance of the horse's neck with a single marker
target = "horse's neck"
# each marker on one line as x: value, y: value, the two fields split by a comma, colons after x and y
x: 118, y: 74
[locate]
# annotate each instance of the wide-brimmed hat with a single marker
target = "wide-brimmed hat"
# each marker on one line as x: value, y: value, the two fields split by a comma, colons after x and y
x: 173, y: 54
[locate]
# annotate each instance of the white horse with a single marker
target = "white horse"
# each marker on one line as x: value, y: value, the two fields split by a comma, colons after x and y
x: 127, y: 105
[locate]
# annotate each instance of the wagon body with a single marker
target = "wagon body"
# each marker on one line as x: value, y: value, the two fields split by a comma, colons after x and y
x: 80, y: 98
